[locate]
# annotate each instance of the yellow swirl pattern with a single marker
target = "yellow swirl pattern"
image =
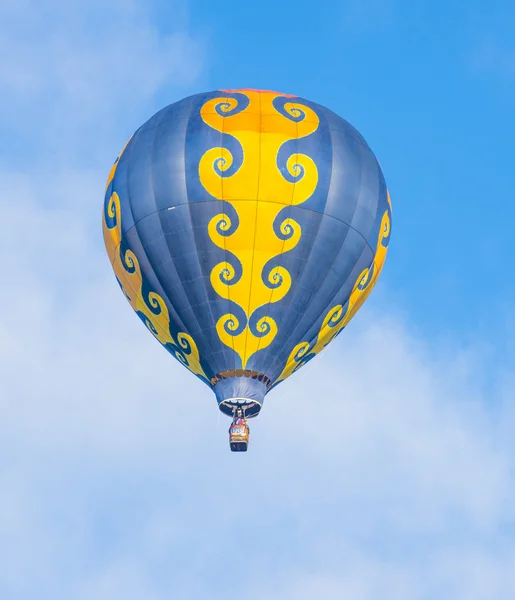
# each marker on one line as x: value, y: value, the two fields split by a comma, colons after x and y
x: 115, y: 164
x: 257, y: 191
x: 154, y: 311
x: 333, y: 322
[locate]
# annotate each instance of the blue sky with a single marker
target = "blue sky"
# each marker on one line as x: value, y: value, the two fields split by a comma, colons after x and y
x: 412, y: 496
x: 423, y: 82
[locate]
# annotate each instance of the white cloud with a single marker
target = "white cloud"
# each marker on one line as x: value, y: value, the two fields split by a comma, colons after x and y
x: 92, y: 52
x: 383, y: 481
x: 74, y: 72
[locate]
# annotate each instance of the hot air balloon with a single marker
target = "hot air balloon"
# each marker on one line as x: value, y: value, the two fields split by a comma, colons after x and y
x: 246, y: 228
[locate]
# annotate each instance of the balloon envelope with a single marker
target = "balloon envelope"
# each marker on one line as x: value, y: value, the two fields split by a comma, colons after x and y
x: 246, y: 228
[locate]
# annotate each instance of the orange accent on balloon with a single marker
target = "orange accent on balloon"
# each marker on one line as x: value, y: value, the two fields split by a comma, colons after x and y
x: 259, y: 92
